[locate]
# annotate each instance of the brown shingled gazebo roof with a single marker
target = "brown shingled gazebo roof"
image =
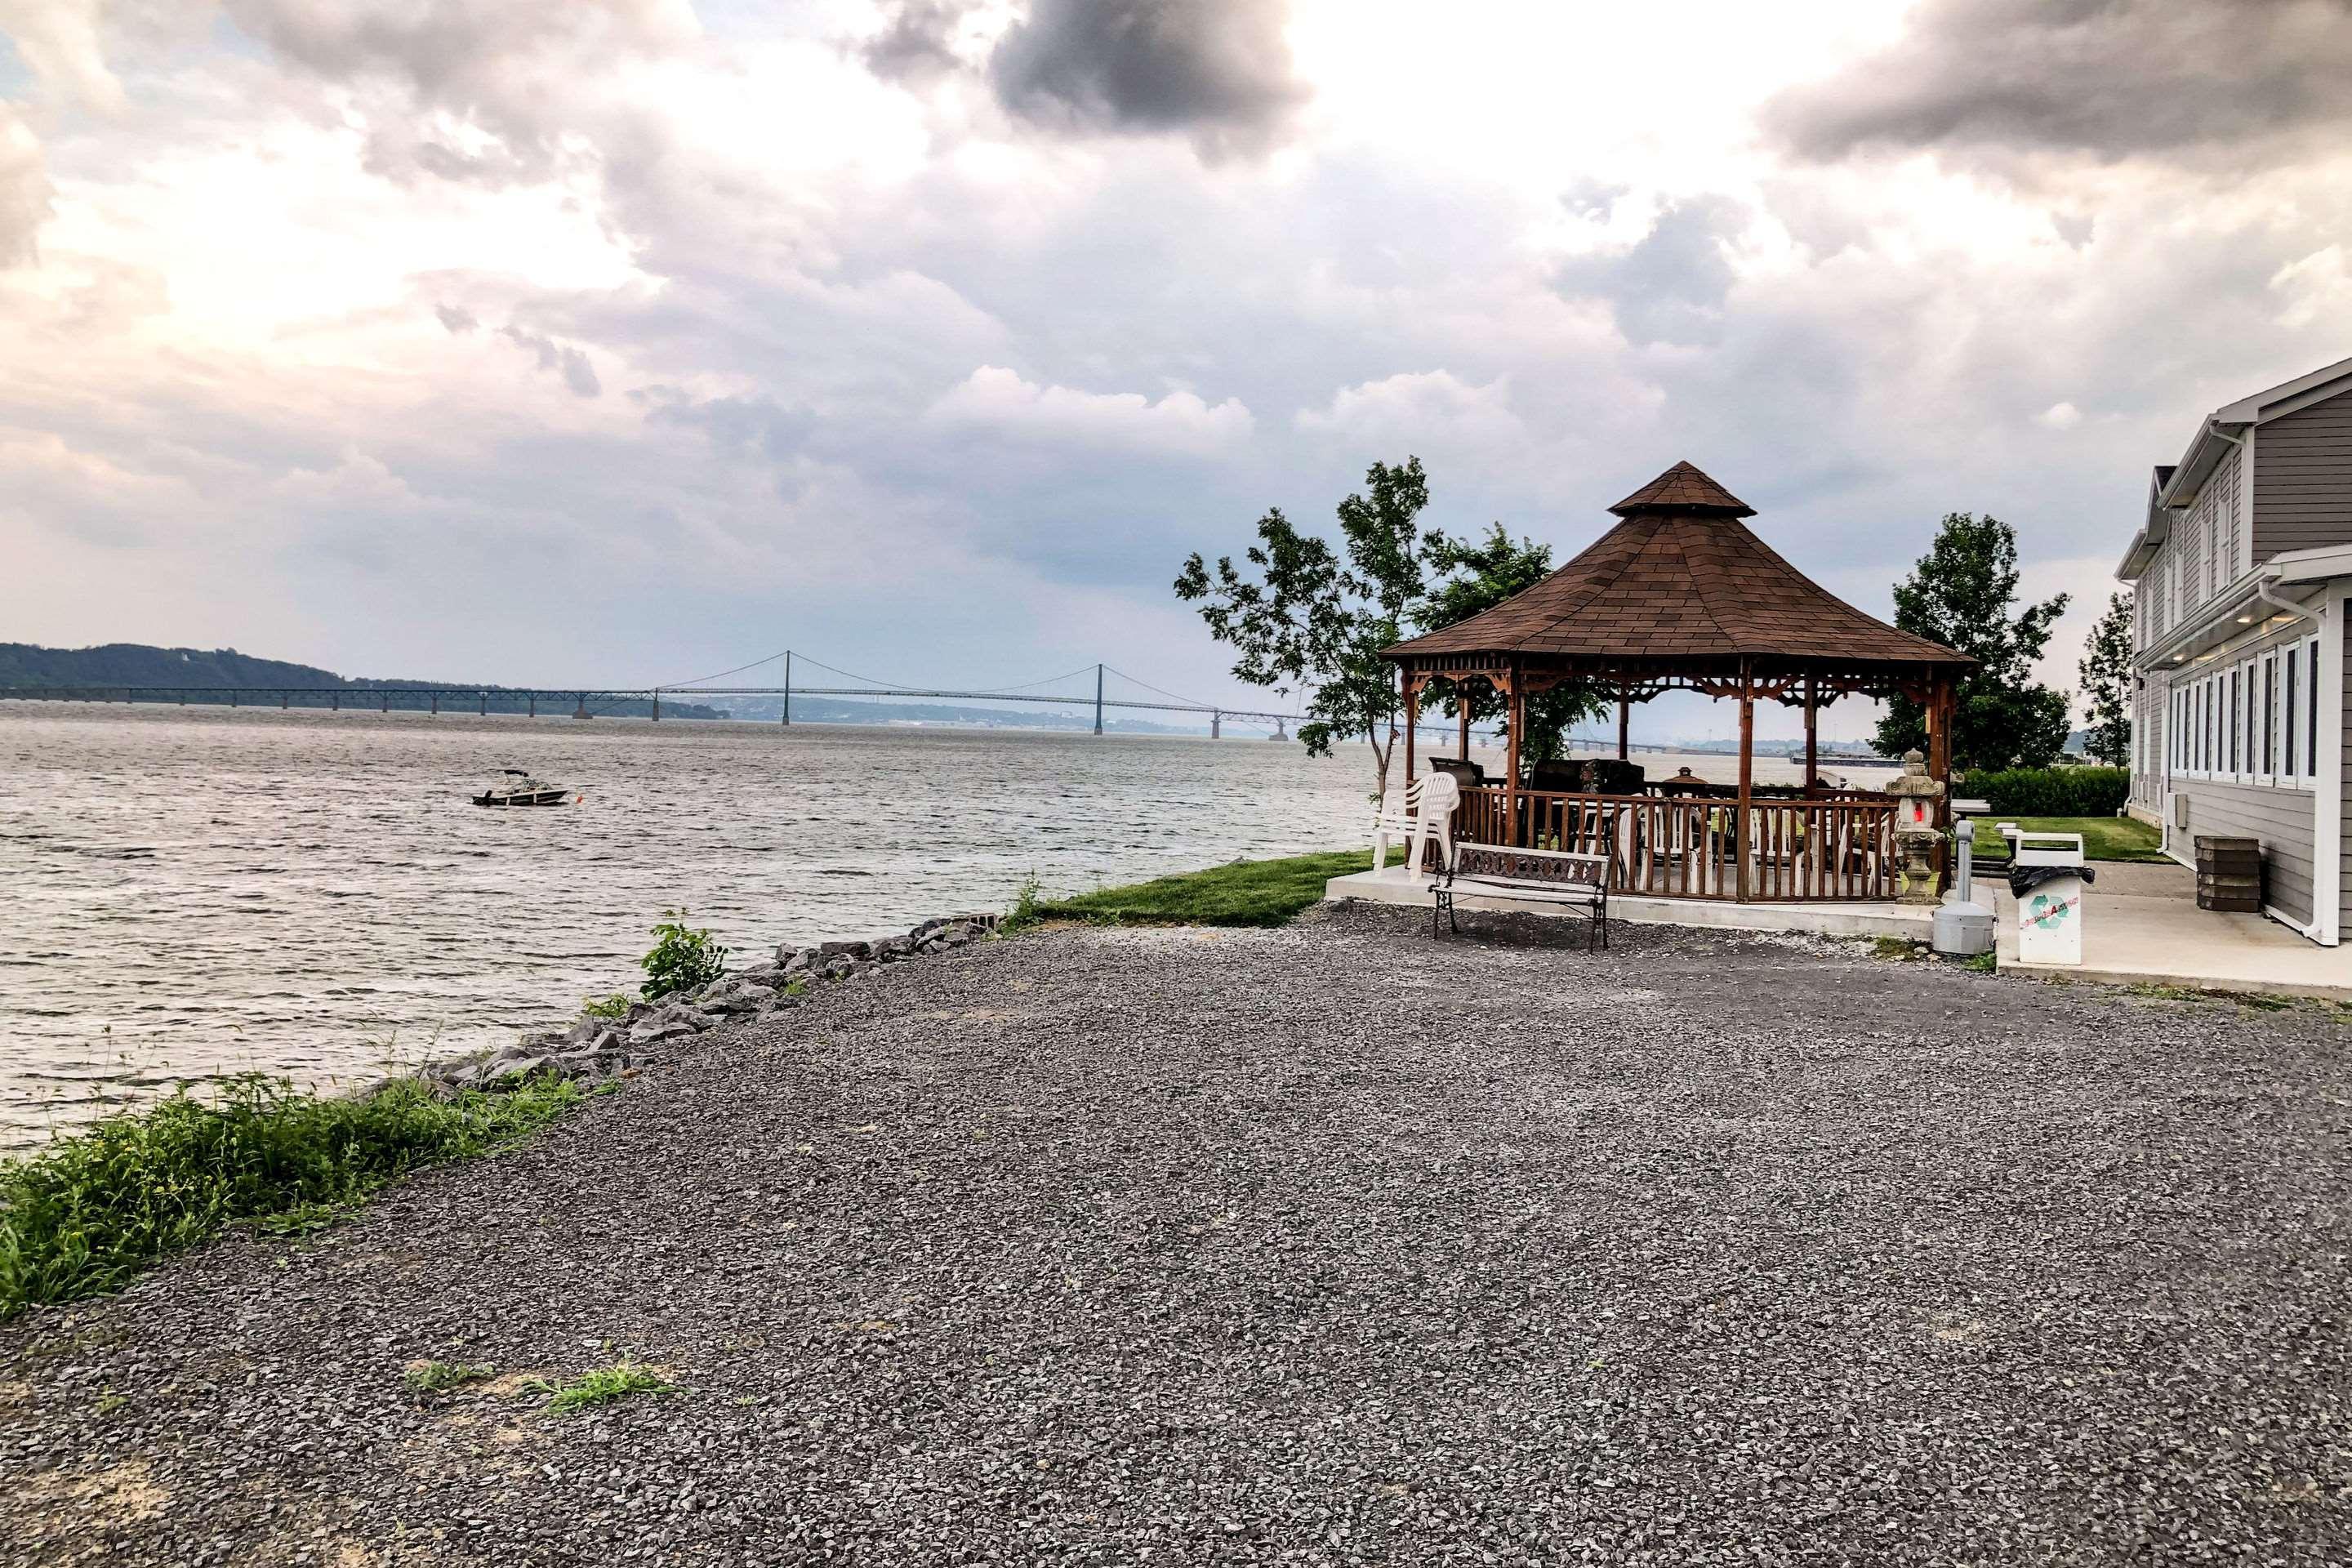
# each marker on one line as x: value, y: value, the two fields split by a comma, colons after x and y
x: 1682, y: 585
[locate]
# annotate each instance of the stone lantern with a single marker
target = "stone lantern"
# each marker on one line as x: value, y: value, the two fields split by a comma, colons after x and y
x: 1915, y: 832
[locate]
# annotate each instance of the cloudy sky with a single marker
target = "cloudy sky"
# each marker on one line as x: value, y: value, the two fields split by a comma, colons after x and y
x: 616, y: 341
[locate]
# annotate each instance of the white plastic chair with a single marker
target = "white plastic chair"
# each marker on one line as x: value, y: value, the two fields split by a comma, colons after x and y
x: 1425, y: 808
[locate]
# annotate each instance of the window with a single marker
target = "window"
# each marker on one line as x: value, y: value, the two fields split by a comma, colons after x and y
x: 2287, y: 714
x: 2270, y: 708
x: 2234, y: 721
x: 2205, y: 729
x: 2310, y: 724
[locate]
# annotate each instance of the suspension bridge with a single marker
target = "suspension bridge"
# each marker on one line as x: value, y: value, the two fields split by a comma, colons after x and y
x: 587, y: 702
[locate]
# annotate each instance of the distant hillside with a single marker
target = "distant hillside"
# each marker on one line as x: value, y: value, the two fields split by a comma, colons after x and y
x: 120, y: 665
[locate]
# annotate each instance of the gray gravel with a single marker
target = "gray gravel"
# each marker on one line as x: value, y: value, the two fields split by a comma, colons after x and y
x: 1328, y: 1245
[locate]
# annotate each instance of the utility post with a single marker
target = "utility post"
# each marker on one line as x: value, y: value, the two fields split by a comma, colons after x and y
x: 1099, y: 674
x: 788, y: 686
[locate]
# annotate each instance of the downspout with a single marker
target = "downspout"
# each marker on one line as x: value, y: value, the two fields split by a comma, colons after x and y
x: 2262, y: 591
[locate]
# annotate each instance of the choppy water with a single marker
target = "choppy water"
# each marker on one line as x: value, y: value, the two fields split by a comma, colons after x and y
x: 195, y: 892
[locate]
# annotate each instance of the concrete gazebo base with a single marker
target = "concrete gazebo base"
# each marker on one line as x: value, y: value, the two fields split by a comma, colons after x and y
x: 1839, y: 918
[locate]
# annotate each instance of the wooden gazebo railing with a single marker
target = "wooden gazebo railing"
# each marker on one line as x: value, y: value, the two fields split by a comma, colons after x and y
x: 1684, y: 847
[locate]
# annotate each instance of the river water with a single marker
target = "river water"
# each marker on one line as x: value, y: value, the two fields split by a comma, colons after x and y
x: 202, y: 891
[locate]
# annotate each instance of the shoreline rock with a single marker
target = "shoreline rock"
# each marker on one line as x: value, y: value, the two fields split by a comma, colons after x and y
x: 593, y: 1048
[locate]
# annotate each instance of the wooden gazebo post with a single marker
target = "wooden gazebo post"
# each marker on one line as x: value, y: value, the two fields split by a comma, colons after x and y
x: 1812, y: 750
x: 1518, y: 711
x: 1462, y: 712
x: 1625, y: 714
x: 1747, y: 777
x: 1412, y: 719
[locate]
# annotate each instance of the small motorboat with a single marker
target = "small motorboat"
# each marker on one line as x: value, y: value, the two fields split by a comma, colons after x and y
x: 521, y: 789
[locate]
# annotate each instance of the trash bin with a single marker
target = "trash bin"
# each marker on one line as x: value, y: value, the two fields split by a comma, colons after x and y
x: 2046, y: 876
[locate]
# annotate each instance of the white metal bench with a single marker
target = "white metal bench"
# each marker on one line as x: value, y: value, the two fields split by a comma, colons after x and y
x: 1527, y: 876
x: 1422, y: 810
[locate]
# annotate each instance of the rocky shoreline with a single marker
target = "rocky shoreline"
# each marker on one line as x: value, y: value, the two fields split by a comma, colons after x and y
x: 596, y: 1048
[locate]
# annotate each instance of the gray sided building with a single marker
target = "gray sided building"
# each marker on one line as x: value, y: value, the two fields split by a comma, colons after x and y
x: 2242, y: 570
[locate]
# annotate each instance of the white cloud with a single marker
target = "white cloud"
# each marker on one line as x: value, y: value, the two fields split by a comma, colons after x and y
x: 2060, y: 416
x: 2316, y: 288
x: 1426, y: 411
x: 1004, y: 403
x: 25, y: 189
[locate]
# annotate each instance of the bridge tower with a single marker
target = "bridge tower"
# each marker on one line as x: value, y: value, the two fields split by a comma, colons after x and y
x: 1098, y: 675
x: 1217, y: 726
x: 1279, y: 733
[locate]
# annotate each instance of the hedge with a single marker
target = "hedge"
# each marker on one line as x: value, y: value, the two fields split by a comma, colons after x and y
x: 2047, y: 792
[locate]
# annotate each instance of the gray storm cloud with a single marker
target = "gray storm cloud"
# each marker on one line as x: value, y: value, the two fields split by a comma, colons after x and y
x: 512, y: 68
x: 1219, y: 69
x: 2207, y: 81
x: 913, y: 46
x: 1671, y: 286
x: 567, y: 361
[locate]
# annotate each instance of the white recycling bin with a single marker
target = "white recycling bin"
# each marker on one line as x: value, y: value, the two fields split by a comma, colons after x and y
x: 2050, y: 911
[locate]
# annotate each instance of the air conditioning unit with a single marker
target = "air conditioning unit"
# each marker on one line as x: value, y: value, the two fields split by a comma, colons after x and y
x: 2180, y: 811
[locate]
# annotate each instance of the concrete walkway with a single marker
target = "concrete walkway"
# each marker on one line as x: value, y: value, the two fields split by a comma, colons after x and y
x: 1824, y: 918
x: 2141, y: 926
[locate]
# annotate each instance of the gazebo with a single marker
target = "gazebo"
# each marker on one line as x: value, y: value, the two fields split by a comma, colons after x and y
x: 1681, y: 594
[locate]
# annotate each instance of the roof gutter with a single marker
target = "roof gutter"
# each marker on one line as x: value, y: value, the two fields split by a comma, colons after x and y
x: 2262, y: 591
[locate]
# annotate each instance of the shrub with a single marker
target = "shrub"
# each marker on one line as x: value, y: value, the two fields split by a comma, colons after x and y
x: 682, y: 960
x: 2048, y: 792
x: 89, y: 1212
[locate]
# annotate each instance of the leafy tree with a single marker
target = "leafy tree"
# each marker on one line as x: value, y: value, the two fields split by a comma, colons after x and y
x: 2106, y: 671
x: 1963, y: 593
x: 1484, y: 573
x: 1317, y: 619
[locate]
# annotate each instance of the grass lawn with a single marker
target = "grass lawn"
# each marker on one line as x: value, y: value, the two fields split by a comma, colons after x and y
x: 1246, y: 893
x: 2104, y: 838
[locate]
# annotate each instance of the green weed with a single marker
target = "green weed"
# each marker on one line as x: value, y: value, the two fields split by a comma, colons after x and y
x: 89, y: 1212
x: 601, y: 1386
x: 616, y: 1006
x: 1896, y: 948
x: 441, y: 1376
x: 1982, y: 963
x: 1026, y: 904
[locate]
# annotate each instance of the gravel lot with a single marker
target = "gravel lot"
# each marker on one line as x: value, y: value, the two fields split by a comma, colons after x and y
x: 1328, y: 1245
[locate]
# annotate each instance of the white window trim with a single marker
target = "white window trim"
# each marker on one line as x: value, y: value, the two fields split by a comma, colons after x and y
x: 2212, y: 739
